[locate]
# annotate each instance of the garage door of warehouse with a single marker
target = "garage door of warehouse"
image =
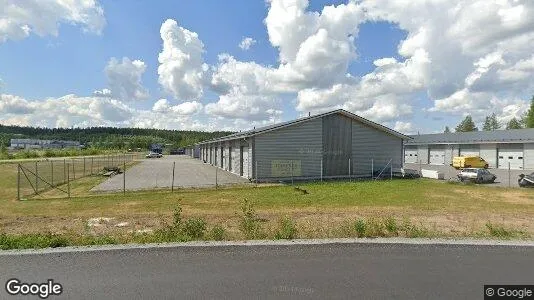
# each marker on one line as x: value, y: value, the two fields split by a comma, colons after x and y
x: 410, y: 155
x: 469, y: 150
x: 510, y: 156
x: 436, y: 155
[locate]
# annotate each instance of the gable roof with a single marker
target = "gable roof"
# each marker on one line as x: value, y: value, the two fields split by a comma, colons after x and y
x: 476, y: 137
x: 257, y: 131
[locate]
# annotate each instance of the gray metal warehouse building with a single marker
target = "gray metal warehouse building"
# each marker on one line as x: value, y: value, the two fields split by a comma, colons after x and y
x: 500, y: 148
x: 335, y: 144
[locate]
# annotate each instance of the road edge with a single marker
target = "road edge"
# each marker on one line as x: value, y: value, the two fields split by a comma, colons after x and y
x: 251, y: 243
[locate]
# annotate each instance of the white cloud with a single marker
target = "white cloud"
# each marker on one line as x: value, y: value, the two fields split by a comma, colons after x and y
x: 245, y: 107
x: 181, y: 70
x: 479, y: 51
x: 246, y: 43
x: 19, y: 19
x: 124, y: 79
x: 403, y: 127
x: 103, y: 93
x: 66, y: 111
x: 184, y: 109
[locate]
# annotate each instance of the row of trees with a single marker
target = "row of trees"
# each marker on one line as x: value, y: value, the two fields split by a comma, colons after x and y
x: 108, y: 137
x: 491, y: 122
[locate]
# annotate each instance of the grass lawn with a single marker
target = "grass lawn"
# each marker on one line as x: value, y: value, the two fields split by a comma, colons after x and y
x: 317, y: 210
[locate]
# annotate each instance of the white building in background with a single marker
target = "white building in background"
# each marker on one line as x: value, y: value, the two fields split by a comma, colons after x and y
x: 42, y: 144
x: 500, y: 148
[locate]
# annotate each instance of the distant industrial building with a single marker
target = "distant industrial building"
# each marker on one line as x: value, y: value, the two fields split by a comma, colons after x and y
x: 42, y: 144
x: 336, y: 144
x: 500, y: 148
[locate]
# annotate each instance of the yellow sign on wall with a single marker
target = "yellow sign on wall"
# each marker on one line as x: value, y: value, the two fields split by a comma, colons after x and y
x: 286, y: 168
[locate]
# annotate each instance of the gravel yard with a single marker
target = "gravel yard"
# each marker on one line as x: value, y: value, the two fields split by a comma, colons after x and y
x: 157, y: 173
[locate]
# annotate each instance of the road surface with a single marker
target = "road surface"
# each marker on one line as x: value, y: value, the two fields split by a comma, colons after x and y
x: 324, y: 271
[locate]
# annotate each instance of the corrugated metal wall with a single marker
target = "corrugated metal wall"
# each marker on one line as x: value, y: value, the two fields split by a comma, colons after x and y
x: 337, y: 145
x: 370, y: 143
x: 299, y: 145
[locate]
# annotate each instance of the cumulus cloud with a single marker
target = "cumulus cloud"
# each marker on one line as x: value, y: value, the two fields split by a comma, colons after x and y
x: 124, y: 79
x: 246, y: 43
x: 186, y: 108
x: 19, y: 19
x: 78, y: 111
x: 66, y: 111
x: 246, y: 107
x: 469, y: 68
x: 403, y: 127
x: 181, y: 70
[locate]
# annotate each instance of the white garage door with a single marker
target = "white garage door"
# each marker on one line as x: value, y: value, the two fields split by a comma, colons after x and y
x: 410, y: 155
x: 436, y: 156
x: 469, y: 150
x: 512, y: 156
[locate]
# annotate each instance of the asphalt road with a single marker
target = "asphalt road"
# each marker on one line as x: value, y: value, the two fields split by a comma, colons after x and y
x: 503, y: 178
x: 157, y: 173
x: 327, y: 271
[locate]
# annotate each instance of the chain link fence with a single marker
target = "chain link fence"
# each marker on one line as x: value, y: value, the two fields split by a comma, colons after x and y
x: 289, y: 171
x: 36, y: 177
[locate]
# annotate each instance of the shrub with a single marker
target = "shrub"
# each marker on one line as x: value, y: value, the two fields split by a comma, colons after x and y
x: 499, y: 231
x: 287, y: 229
x: 391, y: 225
x: 361, y: 228
x: 218, y: 233
x: 249, y: 224
x: 194, y: 228
x: 177, y: 217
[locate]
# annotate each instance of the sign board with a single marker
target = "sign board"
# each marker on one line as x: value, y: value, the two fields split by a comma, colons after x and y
x: 286, y: 168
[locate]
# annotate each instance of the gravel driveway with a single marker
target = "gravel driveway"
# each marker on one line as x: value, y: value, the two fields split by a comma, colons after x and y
x: 157, y: 173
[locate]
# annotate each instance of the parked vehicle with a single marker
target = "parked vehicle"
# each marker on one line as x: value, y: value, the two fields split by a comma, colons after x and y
x: 461, y: 162
x: 154, y: 155
x: 476, y: 175
x: 526, y: 180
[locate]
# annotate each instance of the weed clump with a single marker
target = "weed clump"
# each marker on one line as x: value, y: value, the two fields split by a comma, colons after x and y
x: 287, y: 229
x: 249, y: 224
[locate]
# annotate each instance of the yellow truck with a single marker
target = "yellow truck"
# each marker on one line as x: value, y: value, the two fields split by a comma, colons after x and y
x: 461, y: 162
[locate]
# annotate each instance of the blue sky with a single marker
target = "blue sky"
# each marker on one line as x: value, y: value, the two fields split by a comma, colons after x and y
x: 387, y: 72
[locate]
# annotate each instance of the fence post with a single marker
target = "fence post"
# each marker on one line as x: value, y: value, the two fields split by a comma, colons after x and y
x: 350, y: 174
x: 291, y: 172
x: 68, y: 181
x: 509, y: 180
x: 18, y: 182
x: 65, y: 170
x: 124, y: 179
x: 391, y: 169
x: 173, y: 167
x: 84, y: 167
x: 321, y: 169
x: 372, y: 168
x: 52, y: 171
x: 36, y: 178
x: 92, y: 161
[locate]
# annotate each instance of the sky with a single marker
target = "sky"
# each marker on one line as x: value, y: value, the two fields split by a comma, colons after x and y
x: 415, y: 66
